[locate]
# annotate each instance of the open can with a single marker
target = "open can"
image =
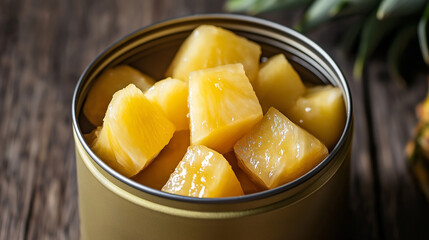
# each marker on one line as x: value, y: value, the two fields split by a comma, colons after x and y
x: 112, y: 206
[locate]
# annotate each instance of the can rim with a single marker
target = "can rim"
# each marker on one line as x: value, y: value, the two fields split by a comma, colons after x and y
x: 237, y: 199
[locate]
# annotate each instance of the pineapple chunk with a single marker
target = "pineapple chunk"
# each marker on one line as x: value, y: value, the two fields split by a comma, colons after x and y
x: 109, y: 82
x: 157, y: 173
x: 210, y: 46
x: 278, y: 85
x: 134, y: 132
x: 92, y: 136
x: 276, y: 151
x: 247, y: 184
x: 222, y: 106
x: 171, y: 95
x: 203, y: 173
x: 321, y: 112
x: 98, y: 141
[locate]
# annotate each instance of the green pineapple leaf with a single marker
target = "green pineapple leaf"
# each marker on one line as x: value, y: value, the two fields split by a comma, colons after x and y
x: 350, y: 37
x: 353, y: 7
x: 397, y: 48
x: 257, y: 6
x: 394, y: 8
x: 239, y: 5
x: 319, y: 12
x: 422, y: 33
x: 323, y: 10
x: 372, y: 33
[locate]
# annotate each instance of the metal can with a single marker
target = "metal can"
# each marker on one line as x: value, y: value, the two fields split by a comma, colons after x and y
x: 112, y: 206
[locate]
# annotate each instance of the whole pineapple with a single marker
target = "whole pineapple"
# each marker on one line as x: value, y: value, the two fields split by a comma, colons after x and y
x: 417, y: 149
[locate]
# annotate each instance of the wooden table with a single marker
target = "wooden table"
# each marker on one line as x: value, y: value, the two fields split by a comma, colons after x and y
x: 46, y: 44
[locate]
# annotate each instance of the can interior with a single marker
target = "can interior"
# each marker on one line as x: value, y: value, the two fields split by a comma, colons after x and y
x: 151, y: 49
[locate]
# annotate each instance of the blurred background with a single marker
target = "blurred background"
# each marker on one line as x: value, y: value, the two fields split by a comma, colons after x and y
x: 46, y: 44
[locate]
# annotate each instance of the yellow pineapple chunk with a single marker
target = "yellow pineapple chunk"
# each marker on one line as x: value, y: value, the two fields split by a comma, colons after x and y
x: 276, y: 151
x: 109, y: 82
x: 134, y: 132
x: 98, y: 141
x: 157, y: 173
x: 92, y: 136
x: 222, y: 106
x: 171, y: 95
x: 321, y: 112
x: 203, y: 173
x: 246, y: 182
x: 210, y: 46
x: 278, y: 85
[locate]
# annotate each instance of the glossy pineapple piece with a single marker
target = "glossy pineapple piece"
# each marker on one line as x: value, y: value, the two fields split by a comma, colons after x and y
x: 209, y: 46
x: 276, y: 151
x: 171, y: 95
x: 157, y: 173
x: 321, y: 112
x: 134, y: 132
x: 278, y: 84
x: 98, y: 141
x: 247, y: 184
x: 222, y: 106
x: 203, y: 173
x: 109, y: 82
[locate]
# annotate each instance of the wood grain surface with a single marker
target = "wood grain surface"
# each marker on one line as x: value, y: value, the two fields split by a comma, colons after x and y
x: 46, y: 44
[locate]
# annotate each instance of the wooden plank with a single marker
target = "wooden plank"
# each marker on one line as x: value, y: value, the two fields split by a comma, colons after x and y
x: 364, y: 222
x: 76, y: 33
x: 38, y: 173
x: 404, y: 212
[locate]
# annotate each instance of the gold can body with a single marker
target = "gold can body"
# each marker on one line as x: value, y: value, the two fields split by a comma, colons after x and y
x: 114, y: 207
